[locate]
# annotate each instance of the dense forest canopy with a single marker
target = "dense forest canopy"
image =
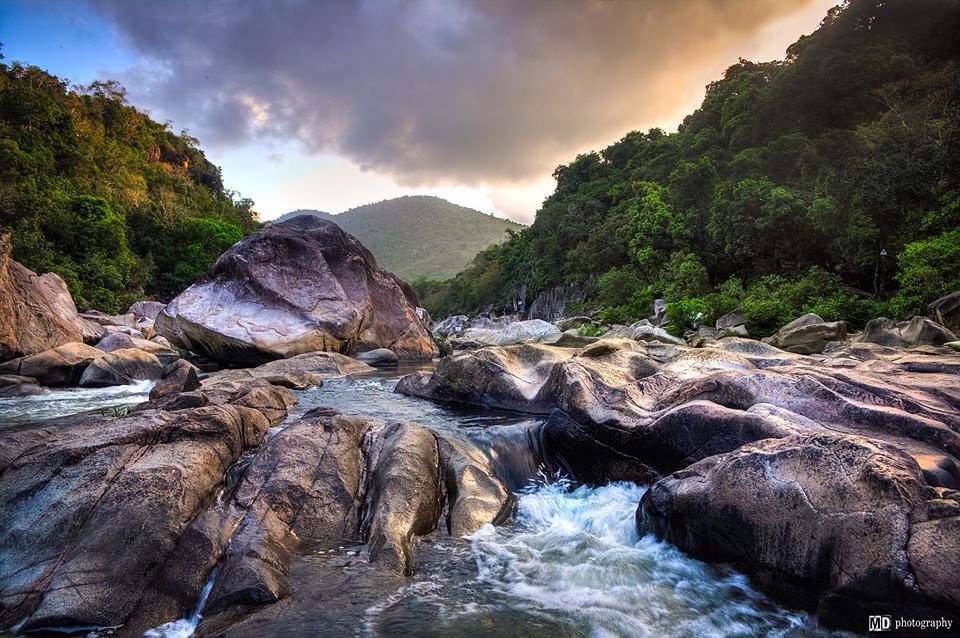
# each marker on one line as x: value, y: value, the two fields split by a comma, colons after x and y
x: 779, y: 193
x: 112, y: 201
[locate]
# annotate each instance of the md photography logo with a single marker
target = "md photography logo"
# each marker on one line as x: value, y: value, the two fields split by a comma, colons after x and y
x: 889, y: 623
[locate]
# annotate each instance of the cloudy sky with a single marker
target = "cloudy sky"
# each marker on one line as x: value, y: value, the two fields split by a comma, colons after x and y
x: 327, y: 104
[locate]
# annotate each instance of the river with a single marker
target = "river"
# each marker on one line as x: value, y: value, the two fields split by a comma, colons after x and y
x: 570, y: 564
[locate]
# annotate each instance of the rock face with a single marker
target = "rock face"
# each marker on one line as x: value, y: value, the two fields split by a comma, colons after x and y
x: 146, y: 309
x: 732, y: 319
x: 298, y: 373
x: 179, y: 376
x: 113, y: 341
x: 379, y: 357
x: 122, y: 367
x: 299, y: 286
x: 556, y: 302
x: 13, y: 385
x: 530, y: 331
x: 835, y: 514
x: 93, y: 512
x: 60, y: 366
x: 946, y: 311
x: 918, y: 331
x: 808, y: 334
x: 36, y: 311
x: 834, y: 476
x: 404, y: 498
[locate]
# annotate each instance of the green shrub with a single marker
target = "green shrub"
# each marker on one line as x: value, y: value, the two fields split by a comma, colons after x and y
x: 681, y: 314
x: 589, y: 330
x: 772, y: 301
x: 637, y: 307
x: 926, y: 270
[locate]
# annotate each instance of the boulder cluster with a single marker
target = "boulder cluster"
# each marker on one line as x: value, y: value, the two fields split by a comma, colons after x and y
x: 833, y: 478
x: 120, y: 520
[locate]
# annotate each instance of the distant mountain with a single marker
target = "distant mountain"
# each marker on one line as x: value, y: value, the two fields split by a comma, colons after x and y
x: 420, y: 236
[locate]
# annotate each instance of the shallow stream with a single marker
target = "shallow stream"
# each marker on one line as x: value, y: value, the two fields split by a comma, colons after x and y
x: 570, y: 564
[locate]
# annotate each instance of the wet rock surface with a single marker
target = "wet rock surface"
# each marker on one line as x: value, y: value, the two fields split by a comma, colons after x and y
x: 812, y: 471
x: 93, y: 511
x: 830, y: 515
x: 122, y: 367
x: 298, y: 286
x: 60, y: 366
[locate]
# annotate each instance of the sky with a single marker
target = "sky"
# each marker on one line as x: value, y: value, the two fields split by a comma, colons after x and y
x: 331, y: 104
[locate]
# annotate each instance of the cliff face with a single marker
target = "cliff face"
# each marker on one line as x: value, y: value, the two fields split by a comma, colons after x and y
x: 36, y: 311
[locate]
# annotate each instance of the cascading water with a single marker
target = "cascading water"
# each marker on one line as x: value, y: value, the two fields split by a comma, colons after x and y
x: 185, y: 627
x: 571, y: 563
x: 55, y: 403
x: 577, y: 553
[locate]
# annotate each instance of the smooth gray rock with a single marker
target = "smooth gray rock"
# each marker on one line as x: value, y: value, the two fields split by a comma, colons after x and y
x: 808, y: 334
x: 731, y: 319
x: 379, y: 357
x: 300, y: 286
x: 122, y: 367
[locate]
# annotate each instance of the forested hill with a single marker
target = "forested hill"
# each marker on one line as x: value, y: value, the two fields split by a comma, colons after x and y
x: 112, y: 201
x: 779, y: 192
x: 421, y: 236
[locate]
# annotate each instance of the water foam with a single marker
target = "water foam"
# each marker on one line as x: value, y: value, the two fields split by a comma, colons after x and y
x: 54, y: 403
x: 578, y: 553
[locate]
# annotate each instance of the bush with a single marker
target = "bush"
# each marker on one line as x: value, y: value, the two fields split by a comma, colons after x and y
x: 682, y: 314
x: 683, y: 276
x: 637, y: 307
x: 589, y: 330
x: 926, y: 270
x: 772, y: 301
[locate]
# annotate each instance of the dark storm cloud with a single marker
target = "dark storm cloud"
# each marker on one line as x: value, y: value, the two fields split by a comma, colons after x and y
x: 430, y: 91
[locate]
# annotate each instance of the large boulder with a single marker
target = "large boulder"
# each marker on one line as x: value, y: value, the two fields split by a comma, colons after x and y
x: 178, y: 376
x: 833, y: 516
x: 299, y: 286
x: 808, y: 334
x: 732, y: 319
x: 644, y: 331
x: 946, y: 311
x: 379, y: 357
x: 303, y: 487
x: 13, y: 385
x: 451, y: 325
x: 297, y: 373
x: 95, y: 511
x: 667, y: 406
x: 405, y: 498
x: 146, y: 310
x: 530, y: 331
x: 36, y: 311
x: 113, y: 341
x: 60, y: 366
x: 122, y: 367
x: 918, y: 331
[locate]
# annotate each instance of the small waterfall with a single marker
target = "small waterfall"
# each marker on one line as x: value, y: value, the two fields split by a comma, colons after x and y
x: 184, y: 627
x: 578, y: 554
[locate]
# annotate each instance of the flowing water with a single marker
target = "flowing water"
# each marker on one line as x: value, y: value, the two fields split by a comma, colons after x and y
x: 570, y: 564
x: 54, y: 403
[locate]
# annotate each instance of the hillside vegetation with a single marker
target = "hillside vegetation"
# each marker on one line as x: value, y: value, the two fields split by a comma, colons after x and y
x: 420, y: 236
x: 779, y: 193
x: 97, y: 192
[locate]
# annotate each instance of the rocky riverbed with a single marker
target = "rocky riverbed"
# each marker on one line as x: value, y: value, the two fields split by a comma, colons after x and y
x: 546, y: 479
x: 249, y: 527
